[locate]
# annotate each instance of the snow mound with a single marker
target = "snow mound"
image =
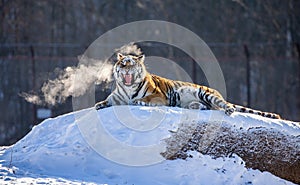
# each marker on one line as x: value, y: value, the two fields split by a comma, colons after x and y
x: 124, y: 145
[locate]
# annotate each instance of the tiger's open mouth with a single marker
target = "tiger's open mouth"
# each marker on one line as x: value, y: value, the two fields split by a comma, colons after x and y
x: 128, y: 79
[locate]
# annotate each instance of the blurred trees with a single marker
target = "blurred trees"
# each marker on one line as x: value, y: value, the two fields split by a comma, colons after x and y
x: 39, y: 36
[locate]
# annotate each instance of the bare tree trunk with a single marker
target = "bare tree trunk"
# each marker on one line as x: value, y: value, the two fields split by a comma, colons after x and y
x: 289, y: 43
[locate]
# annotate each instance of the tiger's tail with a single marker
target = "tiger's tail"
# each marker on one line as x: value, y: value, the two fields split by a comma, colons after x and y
x: 240, y: 108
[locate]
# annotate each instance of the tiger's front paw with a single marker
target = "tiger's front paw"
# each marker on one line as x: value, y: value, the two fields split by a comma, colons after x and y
x: 101, y: 105
x: 140, y: 102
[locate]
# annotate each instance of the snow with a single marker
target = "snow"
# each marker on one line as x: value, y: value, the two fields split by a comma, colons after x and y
x: 122, y: 145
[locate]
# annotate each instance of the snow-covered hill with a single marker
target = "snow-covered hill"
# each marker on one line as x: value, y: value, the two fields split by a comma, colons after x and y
x: 123, y: 145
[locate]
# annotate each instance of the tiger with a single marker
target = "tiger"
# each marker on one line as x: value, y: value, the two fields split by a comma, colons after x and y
x: 136, y: 86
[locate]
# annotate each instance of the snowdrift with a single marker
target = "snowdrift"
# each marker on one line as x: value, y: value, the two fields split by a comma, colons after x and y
x: 155, y: 145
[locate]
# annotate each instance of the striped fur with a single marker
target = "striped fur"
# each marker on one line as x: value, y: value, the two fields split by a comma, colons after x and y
x: 135, y: 86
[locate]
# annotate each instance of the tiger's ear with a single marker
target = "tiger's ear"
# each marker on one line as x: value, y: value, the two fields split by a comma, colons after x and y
x: 141, y: 58
x: 120, y: 56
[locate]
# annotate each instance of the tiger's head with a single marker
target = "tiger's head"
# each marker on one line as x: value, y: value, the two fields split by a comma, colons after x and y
x: 129, y: 69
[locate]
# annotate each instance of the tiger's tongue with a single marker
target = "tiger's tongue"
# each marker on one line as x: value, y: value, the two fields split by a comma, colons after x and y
x: 128, y: 79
